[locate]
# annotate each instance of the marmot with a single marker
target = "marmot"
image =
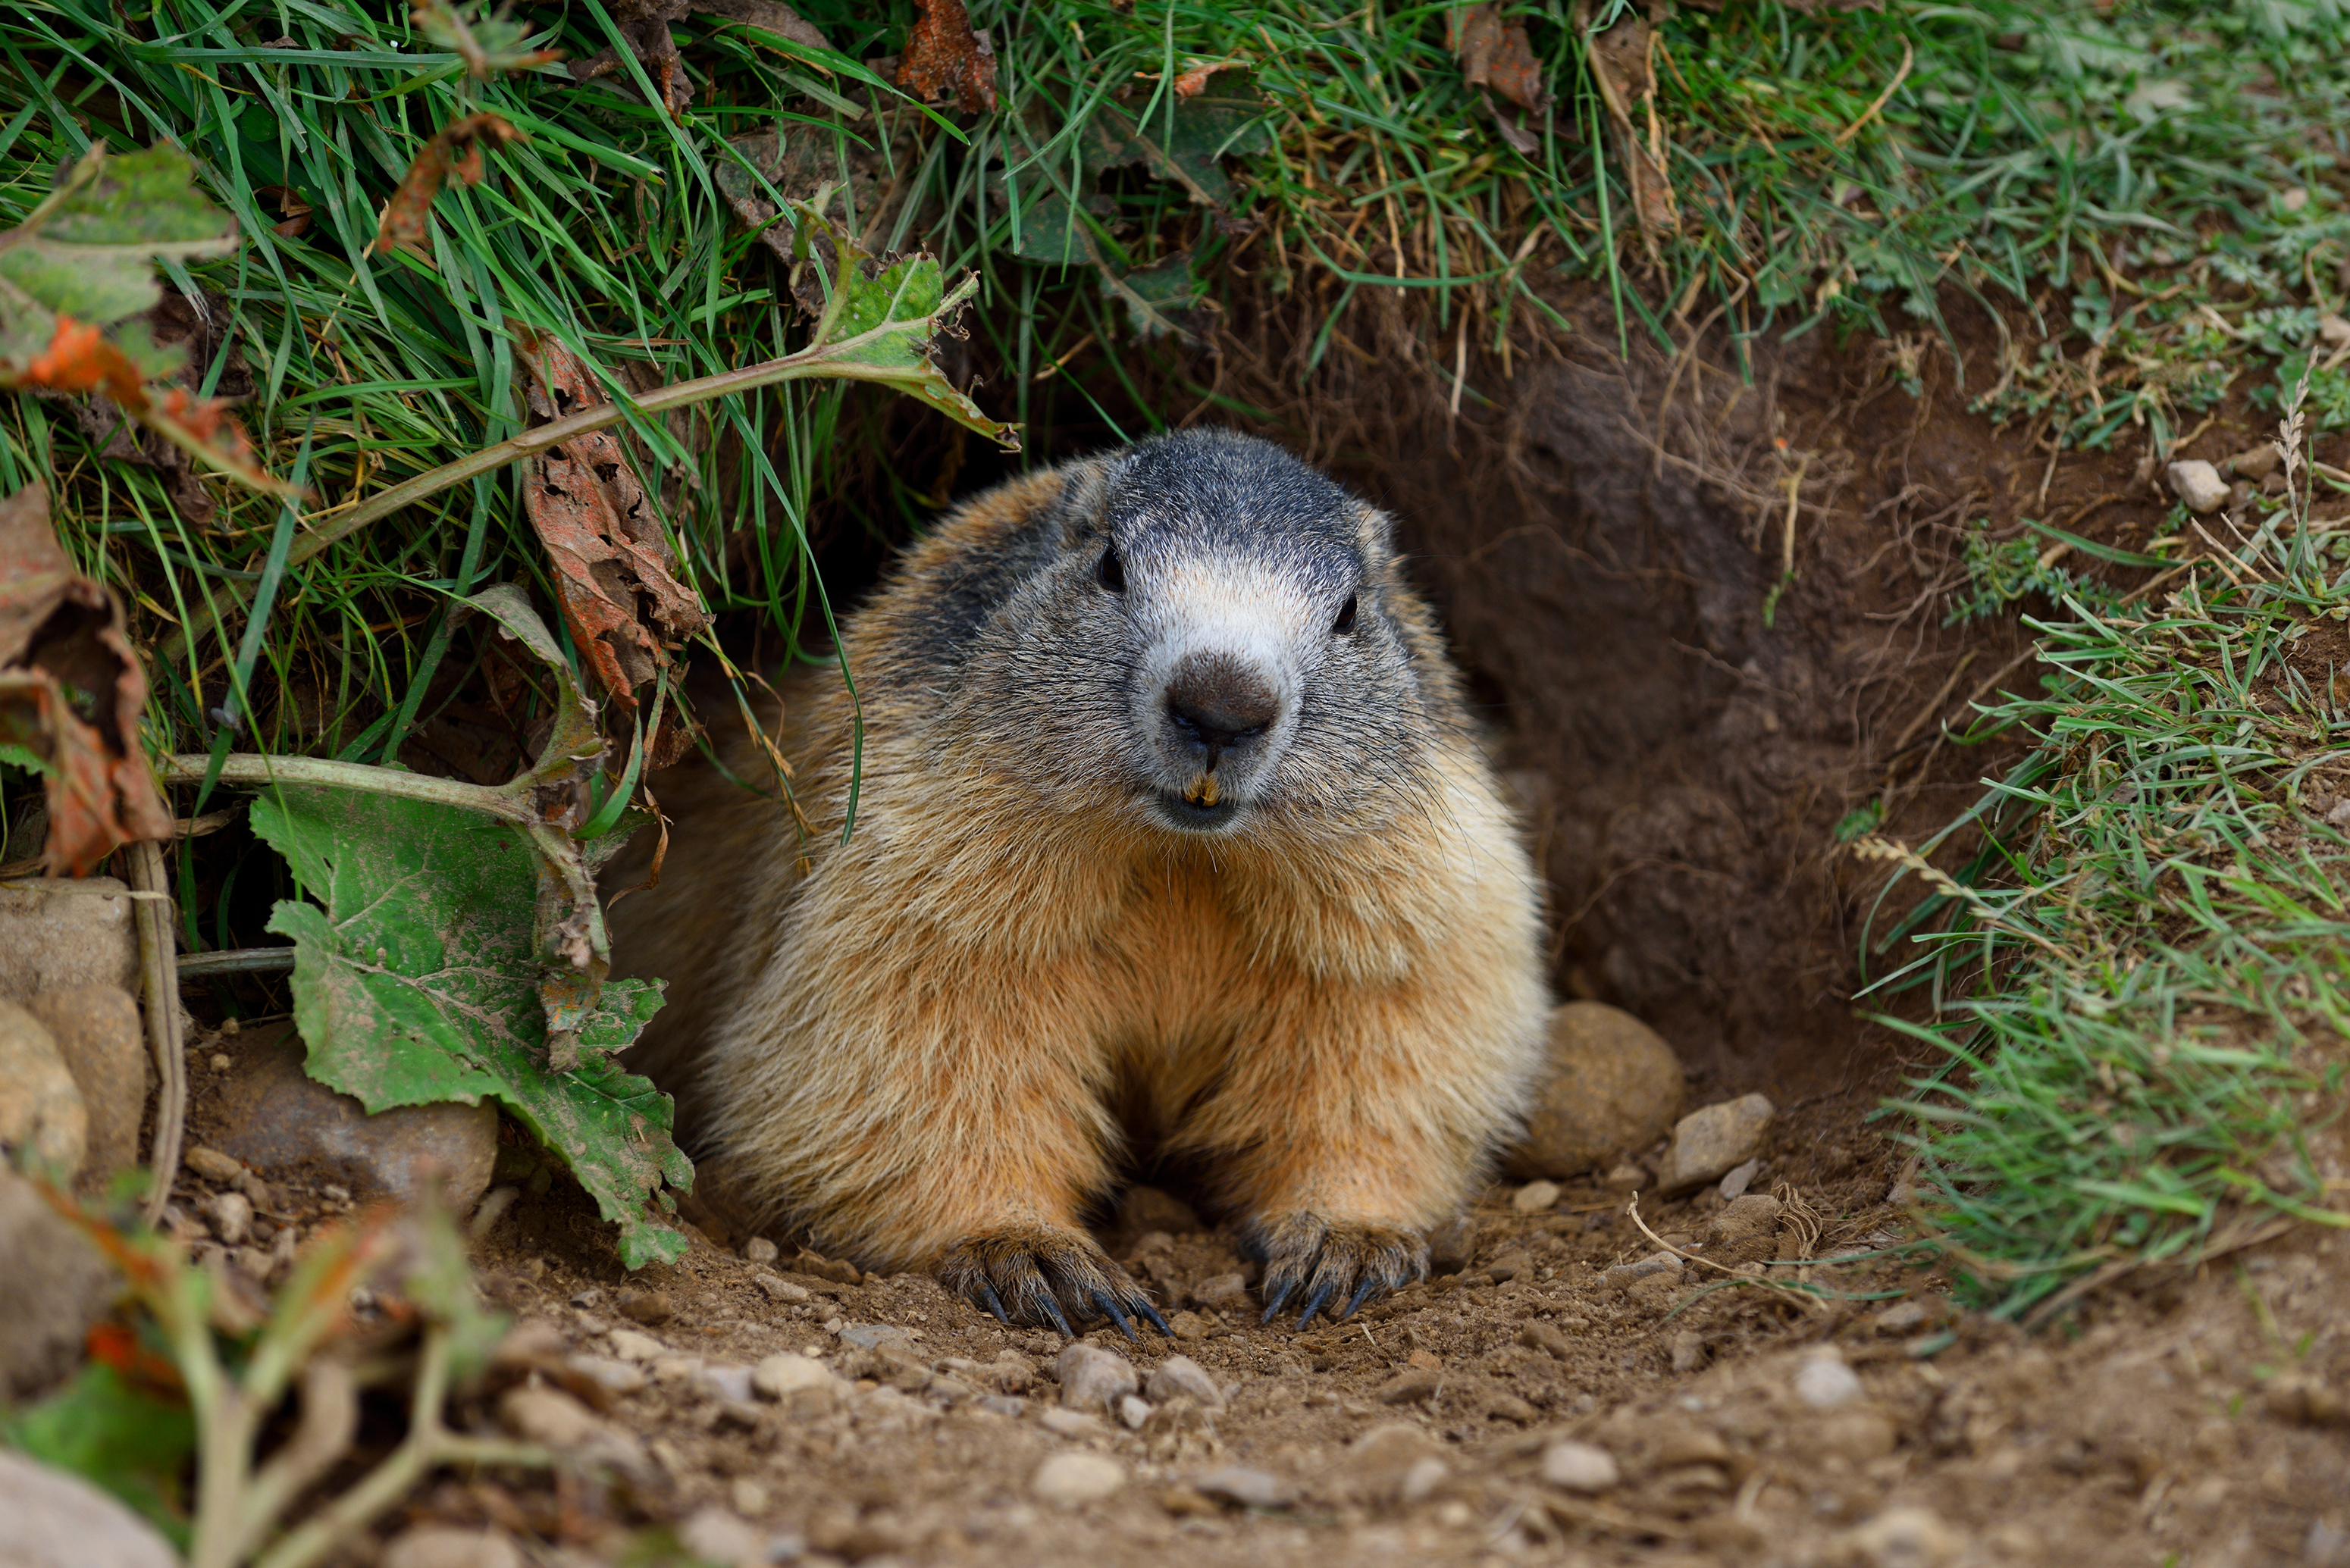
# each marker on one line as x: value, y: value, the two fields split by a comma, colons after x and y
x: 1167, y: 821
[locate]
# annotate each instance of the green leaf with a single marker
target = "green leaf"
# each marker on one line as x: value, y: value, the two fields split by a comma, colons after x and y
x: 129, y: 1444
x: 1229, y: 122
x: 90, y: 250
x: 416, y: 983
x: 1151, y: 293
x: 879, y: 321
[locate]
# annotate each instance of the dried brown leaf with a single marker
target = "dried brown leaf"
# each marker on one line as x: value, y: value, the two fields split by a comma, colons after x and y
x: 1622, y: 64
x: 945, y: 58
x: 767, y: 17
x: 1495, y: 51
x: 71, y: 693
x: 455, y: 149
x: 613, y: 569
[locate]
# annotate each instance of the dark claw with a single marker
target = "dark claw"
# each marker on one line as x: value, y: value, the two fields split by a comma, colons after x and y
x: 1053, y: 1310
x: 995, y: 1304
x: 1362, y: 1293
x: 1315, y: 1304
x: 1108, y: 1303
x: 1273, y: 1305
x: 1147, y: 1310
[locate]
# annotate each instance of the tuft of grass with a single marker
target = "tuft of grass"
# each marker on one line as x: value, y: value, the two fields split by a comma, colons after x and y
x: 2141, y: 973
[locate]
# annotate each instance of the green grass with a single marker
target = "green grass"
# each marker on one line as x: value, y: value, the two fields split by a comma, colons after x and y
x: 2141, y: 973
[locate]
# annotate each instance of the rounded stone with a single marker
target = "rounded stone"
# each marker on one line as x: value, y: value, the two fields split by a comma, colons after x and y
x: 1610, y: 1086
x: 60, y: 1520
x: 59, y: 932
x: 53, y: 1286
x: 272, y: 1115
x: 442, y: 1546
x: 40, y: 1106
x: 1580, y: 1467
x: 1069, y: 1480
x: 102, y: 1040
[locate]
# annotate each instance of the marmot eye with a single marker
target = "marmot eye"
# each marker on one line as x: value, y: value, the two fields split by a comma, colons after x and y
x: 1111, y: 573
x: 1346, y: 622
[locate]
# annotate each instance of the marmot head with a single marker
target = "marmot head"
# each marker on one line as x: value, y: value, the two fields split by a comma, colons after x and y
x: 1207, y: 642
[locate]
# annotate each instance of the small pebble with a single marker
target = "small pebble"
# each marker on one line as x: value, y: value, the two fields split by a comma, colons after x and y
x: 630, y: 1346
x: 1226, y: 1293
x: 1425, y: 1474
x: 1073, y: 1478
x: 1826, y: 1382
x: 1580, y: 1467
x: 780, y: 1289
x: 759, y: 1249
x: 212, y: 1163
x: 441, y: 1546
x: 231, y: 1214
x: 225, y: 1065
x: 547, y: 1416
x: 1134, y: 1412
x: 1093, y: 1378
x: 714, y: 1534
x: 588, y: 1298
x: 2198, y: 484
x: 643, y: 1306
x: 613, y: 1376
x: 1537, y: 1335
x: 1536, y: 1197
x: 1904, y: 1538
x: 1741, y: 1177
x: 1245, y: 1488
x: 1625, y: 1275
x: 1066, y: 1423
x: 1181, y: 1375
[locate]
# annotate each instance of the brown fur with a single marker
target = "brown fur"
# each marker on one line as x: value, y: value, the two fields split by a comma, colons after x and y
x: 909, y: 1042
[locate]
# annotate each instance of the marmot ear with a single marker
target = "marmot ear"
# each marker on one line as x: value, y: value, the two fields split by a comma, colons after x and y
x: 1375, y: 539
x: 1083, y: 502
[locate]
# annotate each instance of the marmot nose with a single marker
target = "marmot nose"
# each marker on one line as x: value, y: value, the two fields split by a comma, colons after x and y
x: 1217, y: 702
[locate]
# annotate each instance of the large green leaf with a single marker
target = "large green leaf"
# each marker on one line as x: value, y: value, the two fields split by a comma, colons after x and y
x: 90, y: 250
x: 115, y: 1437
x: 416, y: 982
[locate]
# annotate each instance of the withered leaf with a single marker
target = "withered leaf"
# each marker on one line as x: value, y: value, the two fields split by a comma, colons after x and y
x: 1622, y: 64
x: 1495, y: 51
x: 612, y: 567
x: 767, y: 17
x: 71, y: 691
x: 945, y: 58
x: 455, y: 149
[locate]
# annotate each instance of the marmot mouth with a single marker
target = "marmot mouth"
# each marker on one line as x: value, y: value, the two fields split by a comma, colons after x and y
x: 1192, y: 816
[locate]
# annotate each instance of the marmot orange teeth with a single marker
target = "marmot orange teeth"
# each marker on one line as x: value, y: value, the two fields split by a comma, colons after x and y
x: 1166, y: 803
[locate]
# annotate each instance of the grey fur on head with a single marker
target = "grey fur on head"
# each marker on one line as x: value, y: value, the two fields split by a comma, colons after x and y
x: 1203, y: 635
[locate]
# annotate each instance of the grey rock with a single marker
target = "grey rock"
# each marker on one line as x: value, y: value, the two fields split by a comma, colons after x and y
x: 1452, y: 1246
x: 780, y: 1289
x: 1093, y: 1378
x: 874, y: 1335
x: 53, y: 1286
x: 1736, y: 1184
x: 59, y: 1521
x: 759, y: 1249
x: 1134, y: 1411
x: 1074, y: 1477
x: 728, y: 1380
x: 1536, y: 1197
x: 1825, y: 1382
x: 1709, y: 1143
x: 612, y: 1377
x: 784, y: 1374
x: 2198, y: 484
x: 103, y: 1040
x: 444, y: 1546
x: 1245, y: 1488
x: 1625, y: 1275
x: 58, y: 933
x: 714, y: 1534
x: 41, y: 1110
x: 1610, y: 1085
x: 1180, y: 1375
x: 1580, y: 1467
x: 272, y: 1115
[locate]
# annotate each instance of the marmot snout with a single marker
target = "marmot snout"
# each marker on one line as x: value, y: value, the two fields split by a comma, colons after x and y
x: 1164, y: 801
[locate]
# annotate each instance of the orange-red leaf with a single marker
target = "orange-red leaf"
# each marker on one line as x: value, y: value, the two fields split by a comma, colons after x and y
x: 945, y: 58
x: 455, y: 150
x: 81, y: 359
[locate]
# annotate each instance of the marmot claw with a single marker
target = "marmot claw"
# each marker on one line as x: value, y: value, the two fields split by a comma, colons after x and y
x: 1324, y: 1258
x: 1041, y: 1274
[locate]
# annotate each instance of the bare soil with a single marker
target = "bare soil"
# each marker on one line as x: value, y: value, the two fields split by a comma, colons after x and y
x: 1685, y: 723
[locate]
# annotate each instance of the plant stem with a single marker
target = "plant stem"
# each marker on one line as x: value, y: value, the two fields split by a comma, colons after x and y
x: 245, y: 768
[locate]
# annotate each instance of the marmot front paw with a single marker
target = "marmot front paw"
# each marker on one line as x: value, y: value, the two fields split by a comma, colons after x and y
x: 1041, y: 1273
x: 1346, y: 1259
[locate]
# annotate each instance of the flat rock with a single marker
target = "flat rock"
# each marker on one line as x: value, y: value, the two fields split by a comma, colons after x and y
x: 1709, y: 1143
x: 273, y: 1116
x: 781, y: 1376
x: 1657, y: 1265
x: 1610, y: 1085
x: 41, y: 1110
x: 1093, y: 1378
x: 1580, y: 1467
x: 444, y: 1546
x: 59, y: 1521
x: 1226, y: 1293
x: 1245, y: 1488
x: 1180, y: 1375
x: 2198, y: 484
x: 1536, y: 1197
x: 1073, y: 1478
x: 103, y: 1040
x: 58, y: 933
